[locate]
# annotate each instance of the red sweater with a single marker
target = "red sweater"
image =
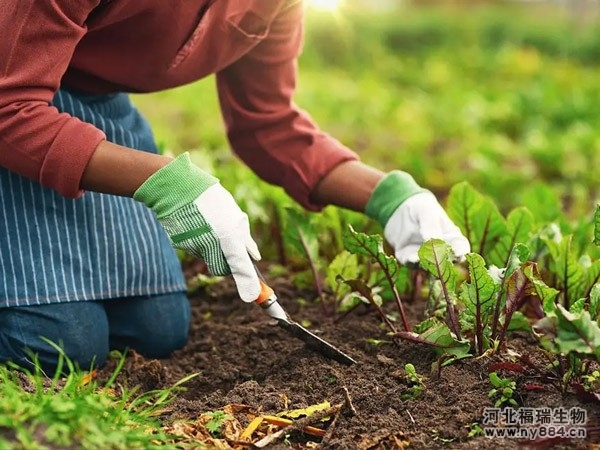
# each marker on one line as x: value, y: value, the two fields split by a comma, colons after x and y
x: 145, y: 46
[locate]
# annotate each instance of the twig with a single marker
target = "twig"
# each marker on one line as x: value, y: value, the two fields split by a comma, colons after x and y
x: 348, y: 403
x: 351, y: 410
x: 330, y: 430
x: 298, y: 425
x: 410, y: 415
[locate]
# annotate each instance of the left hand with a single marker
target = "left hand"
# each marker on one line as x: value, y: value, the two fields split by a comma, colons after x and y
x: 418, y: 219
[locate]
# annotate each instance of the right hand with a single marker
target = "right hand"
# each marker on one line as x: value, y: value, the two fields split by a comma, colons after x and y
x: 202, y: 218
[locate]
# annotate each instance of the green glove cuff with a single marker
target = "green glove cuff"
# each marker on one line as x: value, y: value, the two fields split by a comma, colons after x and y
x: 177, y: 184
x: 389, y: 194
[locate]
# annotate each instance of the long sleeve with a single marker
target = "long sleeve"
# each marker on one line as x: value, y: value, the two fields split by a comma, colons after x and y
x: 275, y: 138
x: 37, y: 40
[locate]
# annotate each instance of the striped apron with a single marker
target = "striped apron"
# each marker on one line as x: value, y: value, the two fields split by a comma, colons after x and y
x: 54, y: 249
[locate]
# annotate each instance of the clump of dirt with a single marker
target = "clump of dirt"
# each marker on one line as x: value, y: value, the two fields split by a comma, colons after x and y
x: 244, y: 358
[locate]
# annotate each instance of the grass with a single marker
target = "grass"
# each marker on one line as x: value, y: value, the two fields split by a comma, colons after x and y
x: 74, y: 411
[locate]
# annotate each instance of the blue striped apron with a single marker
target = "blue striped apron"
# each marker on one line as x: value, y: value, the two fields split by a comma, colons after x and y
x: 54, y: 249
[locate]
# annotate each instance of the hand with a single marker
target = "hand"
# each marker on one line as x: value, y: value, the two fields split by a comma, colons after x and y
x: 418, y: 219
x: 410, y: 216
x: 202, y: 218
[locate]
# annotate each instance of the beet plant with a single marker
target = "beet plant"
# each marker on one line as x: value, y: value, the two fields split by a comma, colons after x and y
x: 523, y: 274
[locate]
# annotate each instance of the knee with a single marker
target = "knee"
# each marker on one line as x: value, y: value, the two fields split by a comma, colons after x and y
x: 25, y: 334
x: 86, y: 351
x: 157, y: 327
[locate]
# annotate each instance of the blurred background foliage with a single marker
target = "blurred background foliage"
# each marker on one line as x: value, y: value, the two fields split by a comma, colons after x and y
x: 505, y: 95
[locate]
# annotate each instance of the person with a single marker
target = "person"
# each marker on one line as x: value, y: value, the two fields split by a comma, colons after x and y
x: 97, y: 271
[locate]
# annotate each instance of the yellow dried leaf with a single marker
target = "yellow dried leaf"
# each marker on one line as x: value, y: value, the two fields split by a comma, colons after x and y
x: 304, y: 412
x: 250, y: 429
x: 88, y: 377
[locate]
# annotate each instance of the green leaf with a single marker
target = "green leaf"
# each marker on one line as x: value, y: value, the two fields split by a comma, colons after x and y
x: 595, y: 301
x: 545, y: 330
x: 372, y: 246
x: 597, y: 225
x: 426, y: 324
x: 517, y: 287
x: 345, y: 265
x: 578, y: 306
x: 542, y: 201
x: 590, y: 276
x: 519, y: 224
x: 403, y: 280
x: 518, y: 256
x: 577, y: 332
x: 441, y: 339
x: 477, y: 217
x: 301, y: 234
x: 495, y: 380
x: 436, y: 257
x: 519, y: 322
x: 565, y: 266
x: 349, y: 302
x: 545, y: 293
x: 478, y: 295
x: 463, y: 203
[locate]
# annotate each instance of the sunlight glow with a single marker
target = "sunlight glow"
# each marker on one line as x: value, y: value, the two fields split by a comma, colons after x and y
x: 326, y: 5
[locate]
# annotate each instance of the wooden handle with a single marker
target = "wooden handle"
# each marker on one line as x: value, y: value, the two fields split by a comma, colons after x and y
x: 265, y: 293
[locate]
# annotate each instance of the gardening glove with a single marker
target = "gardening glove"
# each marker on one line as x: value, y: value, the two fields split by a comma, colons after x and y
x: 410, y: 216
x: 202, y: 218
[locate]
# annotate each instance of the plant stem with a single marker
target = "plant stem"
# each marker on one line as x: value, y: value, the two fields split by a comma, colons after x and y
x: 397, y: 299
x: 478, y: 329
x: 278, y: 235
x: 315, y: 274
x: 496, y: 318
x: 449, y: 304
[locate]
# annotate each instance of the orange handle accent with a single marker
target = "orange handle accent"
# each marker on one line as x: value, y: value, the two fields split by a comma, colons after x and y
x: 265, y: 293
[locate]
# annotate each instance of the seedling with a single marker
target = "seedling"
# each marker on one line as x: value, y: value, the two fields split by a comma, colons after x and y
x: 591, y: 382
x: 474, y: 430
x: 503, y: 391
x: 416, y: 382
x: 216, y: 422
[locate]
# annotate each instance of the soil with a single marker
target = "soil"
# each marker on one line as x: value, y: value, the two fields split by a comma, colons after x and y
x: 244, y: 358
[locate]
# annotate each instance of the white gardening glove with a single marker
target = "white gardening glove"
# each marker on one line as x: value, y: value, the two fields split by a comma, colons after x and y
x: 202, y: 218
x: 411, y: 216
x: 417, y: 220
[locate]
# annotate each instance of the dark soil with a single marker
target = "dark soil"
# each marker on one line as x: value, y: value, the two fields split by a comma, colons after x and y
x: 244, y: 358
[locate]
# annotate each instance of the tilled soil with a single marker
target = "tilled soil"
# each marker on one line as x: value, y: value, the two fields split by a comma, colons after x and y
x: 244, y: 358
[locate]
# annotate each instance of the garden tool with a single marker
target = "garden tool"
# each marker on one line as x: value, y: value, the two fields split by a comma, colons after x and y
x: 268, y: 301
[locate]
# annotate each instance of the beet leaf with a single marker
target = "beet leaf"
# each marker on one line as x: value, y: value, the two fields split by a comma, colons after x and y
x: 372, y: 246
x: 439, y: 336
x: 478, y: 297
x: 577, y: 333
x: 519, y: 224
x: 566, y: 267
x: 436, y: 258
x: 477, y: 217
x: 344, y: 265
x: 597, y: 225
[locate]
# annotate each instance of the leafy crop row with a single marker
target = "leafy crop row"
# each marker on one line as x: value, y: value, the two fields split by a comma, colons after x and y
x: 523, y: 275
